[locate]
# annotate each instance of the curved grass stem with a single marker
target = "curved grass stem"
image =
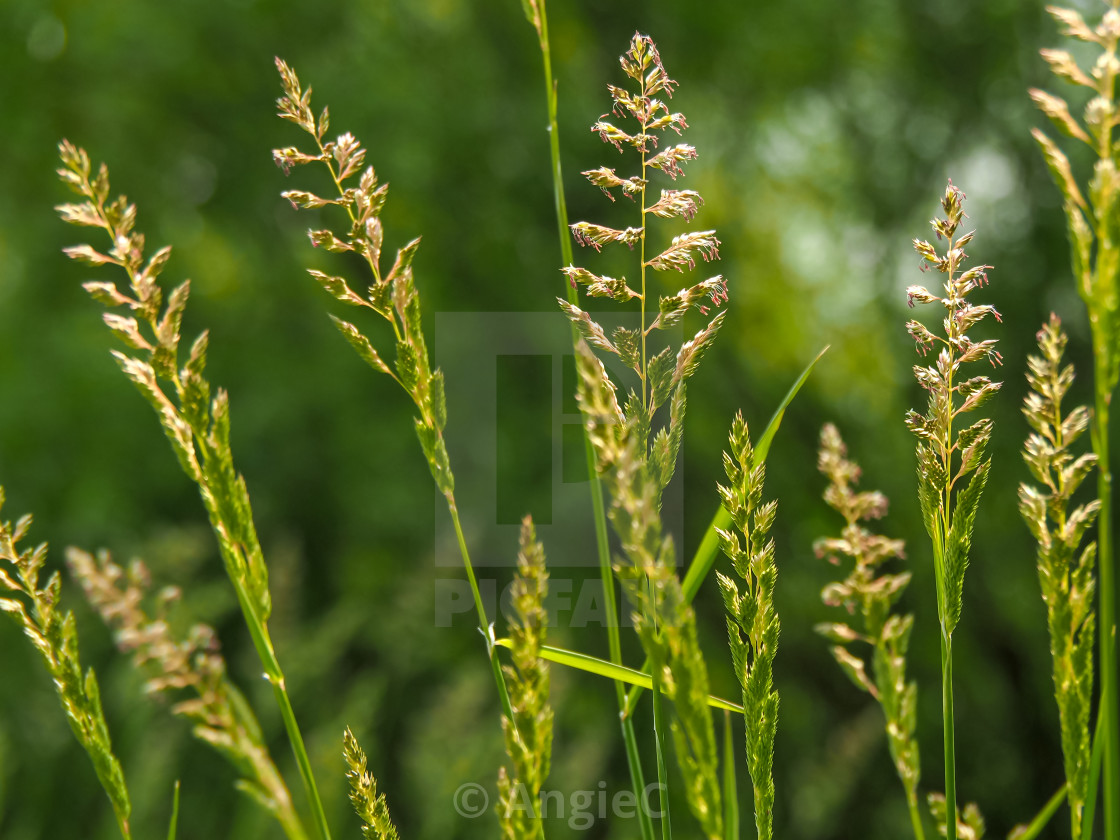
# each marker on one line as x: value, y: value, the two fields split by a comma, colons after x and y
x: 484, y: 626
x: 262, y: 641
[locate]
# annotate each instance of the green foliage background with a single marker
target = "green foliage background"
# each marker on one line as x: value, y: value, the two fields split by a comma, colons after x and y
x: 826, y: 132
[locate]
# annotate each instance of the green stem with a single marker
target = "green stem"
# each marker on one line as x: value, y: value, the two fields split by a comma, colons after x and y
x: 1088, y: 814
x: 1043, y: 817
x: 1109, y: 700
x: 483, y: 622
x: 915, y: 815
x: 730, y: 789
x: 302, y: 759
x: 662, y: 773
x: 1102, y: 321
x: 598, y: 506
x: 645, y: 820
x: 642, y: 199
x: 950, y: 746
x: 258, y: 630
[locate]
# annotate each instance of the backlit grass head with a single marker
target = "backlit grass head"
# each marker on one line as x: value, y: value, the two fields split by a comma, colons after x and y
x: 948, y: 454
x: 644, y: 118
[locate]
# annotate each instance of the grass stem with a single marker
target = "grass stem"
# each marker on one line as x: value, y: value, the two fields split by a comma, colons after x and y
x: 915, y: 815
x: 262, y: 641
x: 1109, y: 700
x: 484, y: 624
x: 1090, y: 811
x: 950, y: 738
x: 662, y: 773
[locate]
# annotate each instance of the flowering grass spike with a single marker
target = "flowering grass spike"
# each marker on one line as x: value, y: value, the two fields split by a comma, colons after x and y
x: 1094, y: 234
x: 1065, y: 570
x: 869, y: 596
x: 528, y: 737
x: 197, y: 426
x: 753, y: 626
x: 948, y: 455
x: 220, y: 713
x: 55, y: 635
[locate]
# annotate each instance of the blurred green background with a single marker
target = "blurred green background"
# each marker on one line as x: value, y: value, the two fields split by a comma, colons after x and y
x: 826, y: 132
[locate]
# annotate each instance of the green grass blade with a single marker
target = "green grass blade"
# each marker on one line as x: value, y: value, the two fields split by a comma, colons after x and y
x: 730, y: 792
x: 1029, y: 832
x: 595, y: 665
x: 709, y: 546
x: 173, y: 828
x: 705, y: 556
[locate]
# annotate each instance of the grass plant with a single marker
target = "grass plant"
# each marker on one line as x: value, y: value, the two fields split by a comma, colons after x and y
x: 1065, y: 568
x: 869, y: 596
x: 392, y: 296
x: 1095, y: 251
x: 54, y: 634
x: 631, y: 390
x: 196, y: 426
x: 536, y: 12
x: 635, y: 468
x: 752, y: 617
x: 948, y: 454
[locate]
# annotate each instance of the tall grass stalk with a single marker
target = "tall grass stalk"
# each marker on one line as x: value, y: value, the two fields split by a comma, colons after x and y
x: 636, y: 463
x: 392, y: 296
x: 197, y: 427
x: 946, y: 455
x: 1094, y: 234
x: 537, y: 13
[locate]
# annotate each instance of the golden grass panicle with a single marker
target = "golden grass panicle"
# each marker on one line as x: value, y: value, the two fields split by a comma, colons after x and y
x: 946, y: 454
x: 393, y: 295
x: 196, y: 426
x: 661, y: 377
